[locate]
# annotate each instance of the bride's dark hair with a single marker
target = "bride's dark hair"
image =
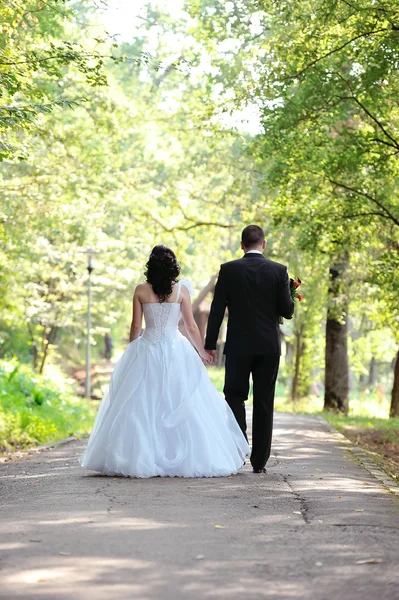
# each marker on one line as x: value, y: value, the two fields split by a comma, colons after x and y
x: 162, y: 271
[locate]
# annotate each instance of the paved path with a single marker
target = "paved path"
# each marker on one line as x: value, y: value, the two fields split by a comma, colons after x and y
x: 303, y: 531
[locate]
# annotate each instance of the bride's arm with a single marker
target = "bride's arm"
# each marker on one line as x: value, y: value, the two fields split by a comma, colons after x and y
x: 137, y: 320
x: 191, y: 326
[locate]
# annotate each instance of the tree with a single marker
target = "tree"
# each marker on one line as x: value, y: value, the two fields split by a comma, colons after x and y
x: 329, y: 116
x: 120, y: 172
x: 36, y: 55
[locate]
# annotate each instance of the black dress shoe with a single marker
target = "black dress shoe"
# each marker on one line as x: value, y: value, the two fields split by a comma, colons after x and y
x: 262, y: 470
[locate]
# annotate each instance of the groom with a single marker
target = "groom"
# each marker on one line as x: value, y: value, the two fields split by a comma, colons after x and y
x: 256, y: 292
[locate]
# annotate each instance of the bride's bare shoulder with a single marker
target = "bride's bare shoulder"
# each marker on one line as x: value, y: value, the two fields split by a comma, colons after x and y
x: 142, y: 288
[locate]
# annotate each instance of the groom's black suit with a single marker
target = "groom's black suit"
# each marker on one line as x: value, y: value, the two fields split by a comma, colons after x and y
x: 256, y: 292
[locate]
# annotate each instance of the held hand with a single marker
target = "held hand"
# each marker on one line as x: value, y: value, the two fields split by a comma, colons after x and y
x: 206, y: 357
x: 212, y: 354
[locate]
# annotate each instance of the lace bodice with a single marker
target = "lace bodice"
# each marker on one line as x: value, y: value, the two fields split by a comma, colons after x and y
x: 162, y: 318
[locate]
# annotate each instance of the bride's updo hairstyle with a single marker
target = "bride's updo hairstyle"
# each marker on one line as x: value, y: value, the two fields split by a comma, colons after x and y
x: 162, y: 271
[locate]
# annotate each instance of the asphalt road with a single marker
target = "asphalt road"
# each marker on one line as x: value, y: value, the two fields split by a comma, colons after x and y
x: 317, y: 526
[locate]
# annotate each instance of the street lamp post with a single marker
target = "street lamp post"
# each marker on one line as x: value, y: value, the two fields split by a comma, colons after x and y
x: 90, y: 267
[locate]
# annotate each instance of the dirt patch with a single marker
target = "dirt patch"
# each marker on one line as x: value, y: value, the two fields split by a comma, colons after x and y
x: 384, y: 448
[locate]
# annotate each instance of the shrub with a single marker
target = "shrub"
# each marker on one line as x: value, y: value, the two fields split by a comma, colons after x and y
x: 35, y: 410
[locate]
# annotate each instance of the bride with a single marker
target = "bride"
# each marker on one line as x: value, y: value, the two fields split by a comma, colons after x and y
x: 162, y: 416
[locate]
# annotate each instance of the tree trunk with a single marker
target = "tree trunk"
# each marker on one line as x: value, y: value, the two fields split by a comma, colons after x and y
x: 35, y: 352
x: 336, y: 360
x: 394, y: 410
x: 210, y: 286
x: 48, y: 339
x: 372, y: 373
x: 298, y: 356
x: 289, y: 351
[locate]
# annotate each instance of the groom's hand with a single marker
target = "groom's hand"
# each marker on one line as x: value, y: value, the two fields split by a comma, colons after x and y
x: 212, y: 354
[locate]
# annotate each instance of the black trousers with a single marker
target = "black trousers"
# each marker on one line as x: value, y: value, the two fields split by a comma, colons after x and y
x: 264, y: 371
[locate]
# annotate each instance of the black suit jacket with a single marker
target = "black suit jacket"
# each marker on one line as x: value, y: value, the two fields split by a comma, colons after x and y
x: 256, y: 292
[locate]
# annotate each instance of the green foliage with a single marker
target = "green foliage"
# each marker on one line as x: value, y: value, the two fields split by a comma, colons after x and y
x: 33, y: 410
x: 323, y: 76
x: 36, y: 57
x: 155, y: 156
x: 125, y: 170
x: 216, y: 375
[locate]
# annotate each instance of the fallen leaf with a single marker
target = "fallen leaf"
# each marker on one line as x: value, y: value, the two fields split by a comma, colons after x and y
x: 339, y: 497
x: 35, y: 484
x: 369, y: 561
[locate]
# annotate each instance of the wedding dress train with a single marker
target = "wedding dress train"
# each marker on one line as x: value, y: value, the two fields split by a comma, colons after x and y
x: 162, y: 416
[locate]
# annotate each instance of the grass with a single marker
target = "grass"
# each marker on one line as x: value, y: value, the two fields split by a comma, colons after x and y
x: 216, y: 375
x: 377, y: 436
x: 36, y: 410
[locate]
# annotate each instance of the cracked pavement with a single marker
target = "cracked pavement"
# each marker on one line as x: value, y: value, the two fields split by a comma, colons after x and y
x: 317, y: 526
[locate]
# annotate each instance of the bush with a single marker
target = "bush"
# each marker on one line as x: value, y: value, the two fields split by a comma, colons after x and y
x: 34, y: 410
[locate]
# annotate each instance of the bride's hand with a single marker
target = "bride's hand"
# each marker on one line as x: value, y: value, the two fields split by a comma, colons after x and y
x: 206, y: 357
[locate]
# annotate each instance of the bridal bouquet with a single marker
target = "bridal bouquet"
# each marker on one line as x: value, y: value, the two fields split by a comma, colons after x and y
x: 294, y: 285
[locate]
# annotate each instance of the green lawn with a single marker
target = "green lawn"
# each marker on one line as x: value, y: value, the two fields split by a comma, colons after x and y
x: 216, y: 375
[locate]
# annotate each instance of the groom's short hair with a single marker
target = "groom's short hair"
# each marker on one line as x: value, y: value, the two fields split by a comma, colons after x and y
x: 252, y: 236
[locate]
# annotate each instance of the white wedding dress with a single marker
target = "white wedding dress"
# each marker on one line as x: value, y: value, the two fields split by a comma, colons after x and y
x: 162, y: 416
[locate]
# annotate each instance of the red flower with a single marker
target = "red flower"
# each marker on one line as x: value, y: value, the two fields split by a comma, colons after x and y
x: 294, y: 285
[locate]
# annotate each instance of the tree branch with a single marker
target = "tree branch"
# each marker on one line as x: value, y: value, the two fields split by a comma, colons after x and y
x: 188, y: 227
x: 374, y: 119
x: 258, y: 35
x: 167, y: 71
x: 386, y: 143
x: 387, y: 212
x: 366, y: 110
x: 334, y: 50
x: 368, y: 214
